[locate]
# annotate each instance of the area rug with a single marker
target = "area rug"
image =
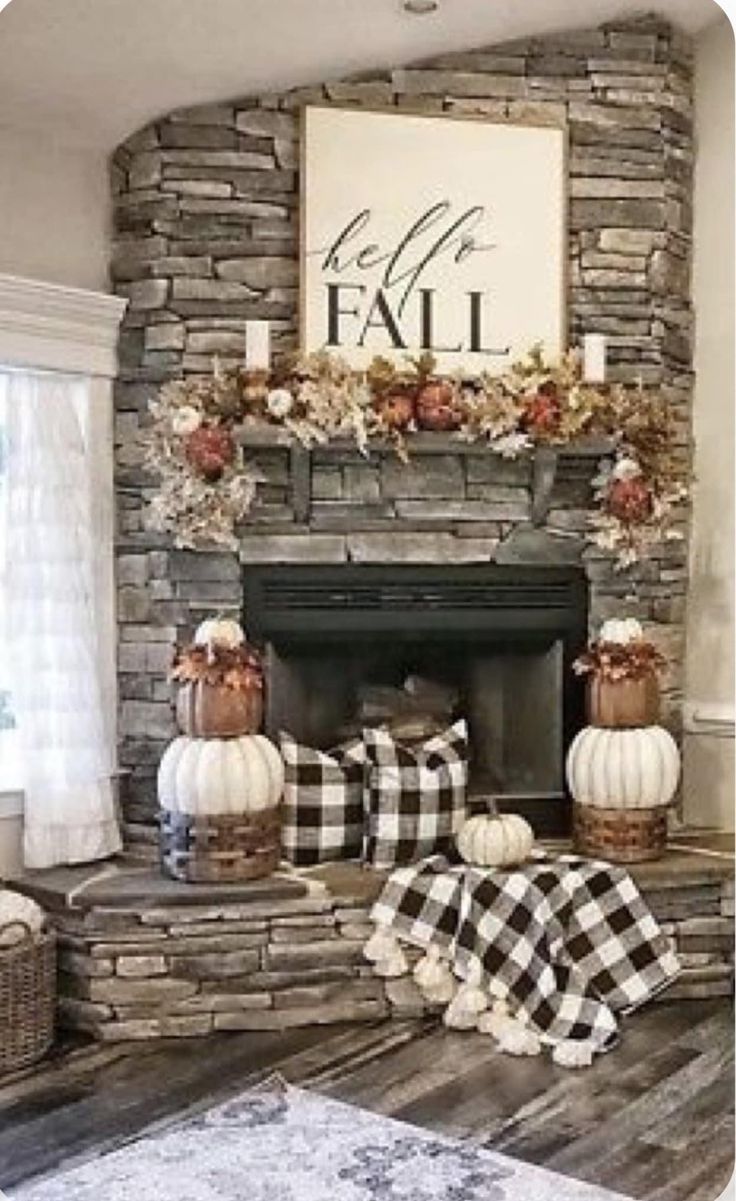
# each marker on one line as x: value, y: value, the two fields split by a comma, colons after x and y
x: 279, y: 1143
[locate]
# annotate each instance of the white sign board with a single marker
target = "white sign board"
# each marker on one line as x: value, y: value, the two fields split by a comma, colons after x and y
x: 432, y: 233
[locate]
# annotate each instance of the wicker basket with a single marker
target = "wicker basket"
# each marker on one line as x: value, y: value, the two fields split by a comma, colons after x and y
x: 205, y: 850
x: 27, y: 999
x: 620, y: 835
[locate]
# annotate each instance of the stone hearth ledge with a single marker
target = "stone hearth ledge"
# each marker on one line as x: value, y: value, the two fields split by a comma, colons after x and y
x: 143, y: 957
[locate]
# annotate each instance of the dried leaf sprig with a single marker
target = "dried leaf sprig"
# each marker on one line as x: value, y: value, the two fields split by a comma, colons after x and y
x: 240, y: 669
x: 613, y: 661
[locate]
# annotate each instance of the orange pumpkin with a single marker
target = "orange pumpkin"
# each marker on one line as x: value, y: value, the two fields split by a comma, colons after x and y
x: 437, y: 407
x: 215, y: 711
x: 395, y: 407
x: 542, y: 411
x: 623, y: 704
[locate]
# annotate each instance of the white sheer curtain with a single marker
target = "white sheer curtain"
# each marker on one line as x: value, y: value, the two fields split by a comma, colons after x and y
x: 47, y: 621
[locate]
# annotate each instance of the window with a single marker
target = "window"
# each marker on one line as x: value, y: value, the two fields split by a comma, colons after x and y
x: 9, y: 755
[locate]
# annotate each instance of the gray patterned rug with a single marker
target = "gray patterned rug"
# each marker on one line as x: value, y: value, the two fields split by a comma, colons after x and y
x: 279, y: 1143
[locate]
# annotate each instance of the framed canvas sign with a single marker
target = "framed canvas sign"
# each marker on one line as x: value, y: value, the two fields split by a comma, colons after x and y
x: 432, y: 233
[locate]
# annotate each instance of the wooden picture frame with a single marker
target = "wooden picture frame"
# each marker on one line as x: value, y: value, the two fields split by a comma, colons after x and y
x: 432, y: 232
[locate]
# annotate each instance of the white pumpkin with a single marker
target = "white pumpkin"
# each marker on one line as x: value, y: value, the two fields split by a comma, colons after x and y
x: 491, y: 841
x: 623, y: 769
x: 622, y: 630
x: 15, y: 908
x: 218, y: 776
x: 219, y: 631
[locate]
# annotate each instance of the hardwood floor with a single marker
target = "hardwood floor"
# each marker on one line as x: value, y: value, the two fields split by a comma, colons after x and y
x: 652, y: 1119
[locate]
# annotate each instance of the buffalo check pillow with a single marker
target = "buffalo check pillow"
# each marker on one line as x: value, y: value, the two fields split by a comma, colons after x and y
x: 415, y: 797
x: 323, y: 802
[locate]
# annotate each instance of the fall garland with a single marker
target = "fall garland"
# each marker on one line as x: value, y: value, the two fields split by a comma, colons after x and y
x: 206, y: 486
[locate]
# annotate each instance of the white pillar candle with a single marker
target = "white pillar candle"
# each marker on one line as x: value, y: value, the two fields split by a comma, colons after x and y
x: 594, y: 358
x: 257, y: 346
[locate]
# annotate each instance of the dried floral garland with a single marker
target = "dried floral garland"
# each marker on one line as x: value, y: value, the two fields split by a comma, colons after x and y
x: 239, y: 669
x: 613, y: 661
x: 206, y: 487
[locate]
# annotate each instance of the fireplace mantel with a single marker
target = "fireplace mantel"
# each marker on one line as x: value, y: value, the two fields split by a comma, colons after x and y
x: 190, y: 229
x: 546, y: 462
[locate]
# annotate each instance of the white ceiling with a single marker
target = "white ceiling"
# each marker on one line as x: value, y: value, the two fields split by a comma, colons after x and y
x: 92, y: 71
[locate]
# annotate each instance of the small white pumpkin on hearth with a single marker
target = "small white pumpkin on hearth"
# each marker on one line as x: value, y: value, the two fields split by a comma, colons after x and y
x: 219, y: 632
x: 489, y: 840
x: 219, y: 776
x: 621, y: 630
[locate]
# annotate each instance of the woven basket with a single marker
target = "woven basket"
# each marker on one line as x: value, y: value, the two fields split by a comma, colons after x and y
x: 205, y: 850
x: 27, y: 999
x: 620, y: 835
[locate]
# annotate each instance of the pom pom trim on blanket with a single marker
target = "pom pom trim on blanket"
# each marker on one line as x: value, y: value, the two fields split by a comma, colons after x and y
x: 546, y: 955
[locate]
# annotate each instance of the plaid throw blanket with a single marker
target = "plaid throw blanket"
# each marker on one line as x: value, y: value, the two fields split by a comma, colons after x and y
x: 567, y: 942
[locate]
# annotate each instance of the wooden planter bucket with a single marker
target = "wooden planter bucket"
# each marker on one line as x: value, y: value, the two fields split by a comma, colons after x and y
x: 214, y: 711
x: 623, y: 704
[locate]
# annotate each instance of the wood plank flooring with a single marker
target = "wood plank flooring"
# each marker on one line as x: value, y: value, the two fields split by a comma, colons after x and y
x: 652, y: 1119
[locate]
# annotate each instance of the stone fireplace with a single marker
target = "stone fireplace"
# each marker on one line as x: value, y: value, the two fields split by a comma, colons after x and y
x: 498, y: 639
x: 206, y: 206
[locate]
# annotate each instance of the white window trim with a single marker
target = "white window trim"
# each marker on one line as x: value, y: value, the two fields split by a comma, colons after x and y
x: 709, y: 718
x: 11, y: 805
x: 53, y: 328
x: 49, y: 327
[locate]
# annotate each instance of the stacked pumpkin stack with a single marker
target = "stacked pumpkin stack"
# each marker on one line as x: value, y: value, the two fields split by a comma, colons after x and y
x: 221, y: 781
x: 623, y: 768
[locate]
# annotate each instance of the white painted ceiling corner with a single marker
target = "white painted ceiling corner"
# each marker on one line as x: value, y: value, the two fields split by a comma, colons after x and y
x: 91, y: 72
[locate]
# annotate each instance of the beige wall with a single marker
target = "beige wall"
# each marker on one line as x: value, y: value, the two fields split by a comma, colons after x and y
x: 54, y: 206
x: 709, y: 745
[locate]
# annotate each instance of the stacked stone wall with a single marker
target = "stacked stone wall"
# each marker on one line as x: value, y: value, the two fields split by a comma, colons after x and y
x: 206, y: 236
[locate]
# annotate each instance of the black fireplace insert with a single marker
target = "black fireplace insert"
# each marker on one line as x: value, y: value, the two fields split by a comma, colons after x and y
x: 502, y: 638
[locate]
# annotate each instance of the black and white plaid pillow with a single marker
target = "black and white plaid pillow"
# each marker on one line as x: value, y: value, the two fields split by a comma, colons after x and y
x: 323, y: 802
x: 415, y: 797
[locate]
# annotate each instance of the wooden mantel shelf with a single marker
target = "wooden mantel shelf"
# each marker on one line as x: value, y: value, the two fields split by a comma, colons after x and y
x: 260, y: 435
x: 544, y: 459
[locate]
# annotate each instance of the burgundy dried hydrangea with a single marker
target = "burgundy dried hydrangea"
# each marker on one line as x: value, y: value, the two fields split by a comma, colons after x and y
x: 620, y: 661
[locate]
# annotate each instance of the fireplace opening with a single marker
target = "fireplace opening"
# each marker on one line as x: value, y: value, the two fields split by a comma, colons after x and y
x: 415, y: 647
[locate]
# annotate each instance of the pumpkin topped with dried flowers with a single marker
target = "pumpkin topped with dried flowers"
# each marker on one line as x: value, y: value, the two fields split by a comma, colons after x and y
x: 220, y: 680
x: 623, y: 687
